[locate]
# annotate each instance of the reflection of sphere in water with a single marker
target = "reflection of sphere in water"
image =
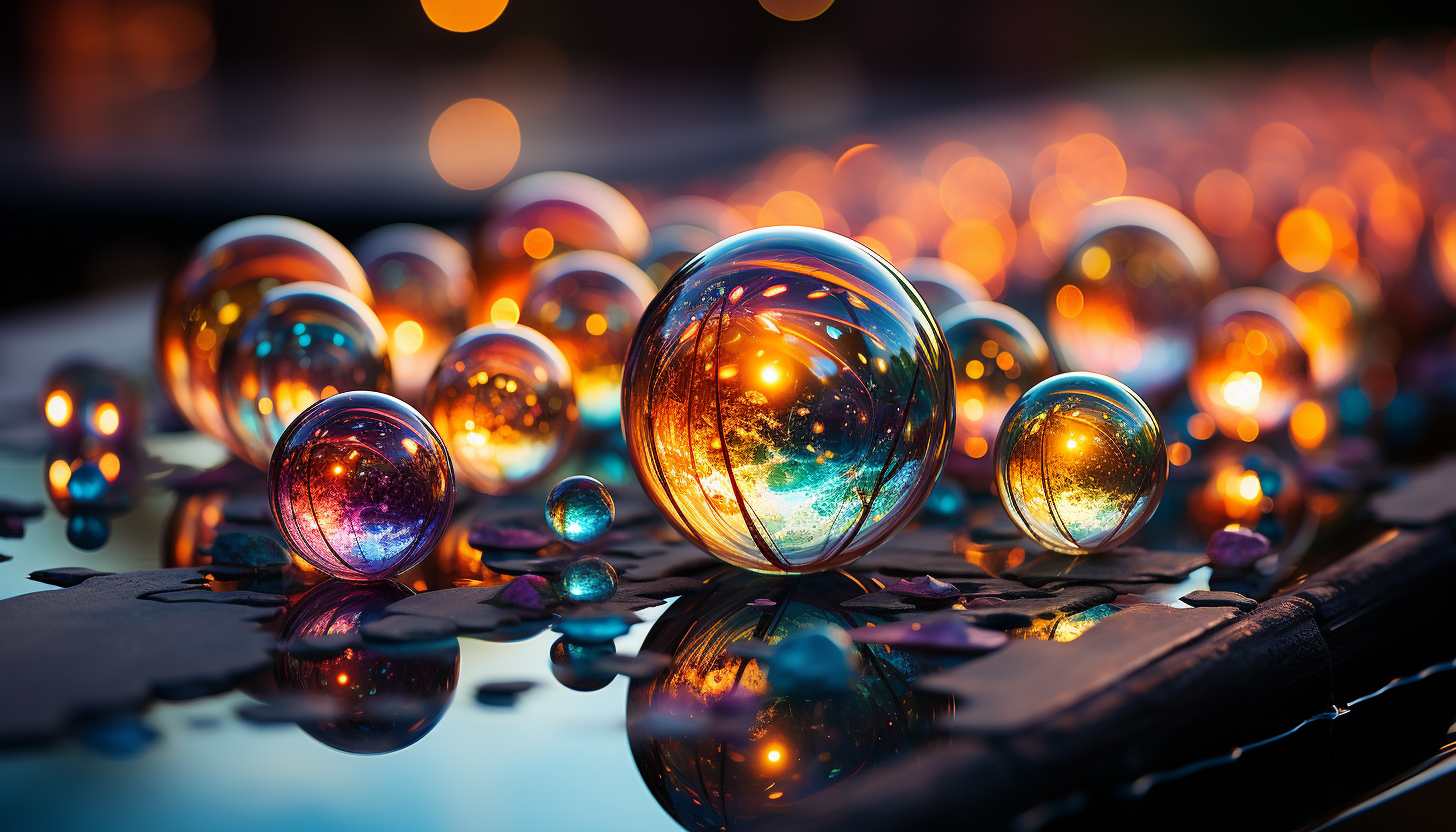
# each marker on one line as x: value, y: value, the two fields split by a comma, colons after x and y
x: 392, y: 694
x: 422, y: 281
x: 942, y: 284
x: 997, y: 353
x: 1125, y: 302
x: 79, y: 400
x: 1080, y: 463
x: 217, y: 288
x: 1250, y: 486
x: 502, y: 401
x: 788, y: 400
x: 1252, y: 367
x: 794, y: 747
x: 572, y: 663
x: 191, y: 528
x: 91, y: 477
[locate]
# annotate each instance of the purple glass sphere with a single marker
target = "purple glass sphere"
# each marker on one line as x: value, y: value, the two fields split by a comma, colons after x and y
x: 361, y: 486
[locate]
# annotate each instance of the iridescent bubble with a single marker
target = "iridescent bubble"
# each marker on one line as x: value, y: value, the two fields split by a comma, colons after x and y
x: 684, y: 226
x: 218, y: 287
x: 788, y: 400
x: 422, y: 281
x: 502, y: 399
x: 588, y: 303
x: 1080, y: 463
x: 304, y: 342
x: 1252, y: 366
x: 361, y: 486
x: 942, y: 284
x: 80, y: 399
x: 580, y: 509
x: 589, y: 579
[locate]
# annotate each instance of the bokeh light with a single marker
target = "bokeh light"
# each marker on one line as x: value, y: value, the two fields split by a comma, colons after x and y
x: 463, y: 15
x: 475, y: 143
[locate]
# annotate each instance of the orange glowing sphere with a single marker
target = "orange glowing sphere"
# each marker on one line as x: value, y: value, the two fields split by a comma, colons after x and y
x: 1252, y: 366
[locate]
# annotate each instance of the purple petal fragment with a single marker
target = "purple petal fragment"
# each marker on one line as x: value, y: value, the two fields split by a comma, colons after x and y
x: 924, y: 587
x: 531, y: 592
x: 942, y: 634
x: 487, y: 535
x: 1237, y: 548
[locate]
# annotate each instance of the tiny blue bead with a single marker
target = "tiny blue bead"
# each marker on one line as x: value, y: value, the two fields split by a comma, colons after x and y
x: 589, y: 579
x: 580, y: 509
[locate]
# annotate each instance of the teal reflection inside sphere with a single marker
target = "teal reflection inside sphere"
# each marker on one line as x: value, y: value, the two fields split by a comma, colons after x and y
x: 589, y: 579
x: 580, y: 509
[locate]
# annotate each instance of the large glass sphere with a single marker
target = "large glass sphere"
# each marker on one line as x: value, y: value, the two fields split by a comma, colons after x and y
x: 303, y: 342
x: 1126, y: 301
x: 422, y: 281
x: 788, y: 400
x: 502, y: 399
x: 997, y: 353
x: 361, y: 486
x: 80, y: 400
x: 1252, y: 366
x: 1080, y: 463
x: 541, y: 216
x: 588, y: 303
x: 942, y: 284
x: 218, y: 287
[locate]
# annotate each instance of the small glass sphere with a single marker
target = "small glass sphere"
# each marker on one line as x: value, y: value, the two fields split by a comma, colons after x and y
x: 580, y: 509
x: 1080, y: 463
x: 997, y: 353
x: 218, y: 287
x: 422, y: 281
x: 1339, y: 307
x: 1250, y: 486
x: 92, y: 476
x: 588, y: 303
x: 1252, y: 366
x: 682, y: 227
x: 361, y: 486
x: 1126, y: 301
x: 942, y: 284
x: 541, y: 216
x: 502, y: 399
x: 589, y: 579
x: 303, y: 342
x: 788, y: 400
x: 79, y: 399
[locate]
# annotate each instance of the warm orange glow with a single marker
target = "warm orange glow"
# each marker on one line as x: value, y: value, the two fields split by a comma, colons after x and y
x: 1201, y: 426
x: 463, y: 15
x: 1069, y: 301
x: 265, y: 405
x: 59, y: 474
x: 596, y: 323
x: 1096, y: 262
x: 329, y: 390
x: 475, y: 143
x: 229, y: 314
x: 108, y: 419
x: 505, y: 312
x: 1224, y: 202
x: 1307, y: 425
x: 796, y: 9
x: 896, y: 236
x: 343, y: 678
x: 110, y: 466
x: 975, y: 189
x: 1179, y: 453
x: 1305, y: 240
x: 409, y: 336
x: 982, y: 248
x: 1248, y: 429
x: 538, y: 243
x: 58, y: 408
x: 1090, y: 168
x: 791, y: 208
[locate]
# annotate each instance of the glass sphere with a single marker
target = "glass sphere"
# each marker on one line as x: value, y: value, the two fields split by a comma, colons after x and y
x: 588, y: 303
x: 997, y: 353
x: 788, y: 400
x: 1126, y: 301
x: 80, y: 399
x: 1339, y: 308
x: 580, y: 509
x: 1252, y: 367
x: 942, y: 284
x: 218, y: 287
x: 422, y: 281
x: 502, y: 399
x: 91, y: 476
x: 304, y: 342
x: 541, y: 216
x: 361, y: 486
x: 589, y: 579
x: 1250, y: 486
x: 682, y: 227
x: 1080, y: 463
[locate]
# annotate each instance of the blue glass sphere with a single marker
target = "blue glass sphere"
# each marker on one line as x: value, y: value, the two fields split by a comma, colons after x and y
x: 361, y: 486
x: 580, y: 509
x: 589, y: 579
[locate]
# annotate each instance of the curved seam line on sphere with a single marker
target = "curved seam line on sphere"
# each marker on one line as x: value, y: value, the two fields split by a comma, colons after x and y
x: 1046, y: 487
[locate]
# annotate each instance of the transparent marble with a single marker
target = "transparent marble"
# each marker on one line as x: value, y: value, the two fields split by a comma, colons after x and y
x: 79, y: 399
x: 589, y: 579
x: 580, y: 509
x: 788, y: 400
x: 1252, y: 366
x: 682, y: 227
x: 361, y: 486
x: 303, y: 342
x: 1125, y: 303
x: 217, y: 288
x: 1252, y: 487
x: 1080, y: 463
x: 1340, y: 305
x: 502, y: 400
x: 588, y: 303
x: 422, y: 281
x: 942, y: 284
x: 997, y: 353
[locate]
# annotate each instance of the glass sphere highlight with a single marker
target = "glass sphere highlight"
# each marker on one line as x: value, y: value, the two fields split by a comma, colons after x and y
x: 589, y: 579
x: 588, y: 303
x: 361, y: 486
x: 217, y: 288
x: 422, y: 281
x: 80, y: 400
x: 997, y: 353
x: 1252, y: 366
x: 1080, y: 463
x: 1126, y: 301
x: 304, y: 342
x: 580, y: 509
x: 788, y: 400
x: 502, y: 399
x: 942, y: 284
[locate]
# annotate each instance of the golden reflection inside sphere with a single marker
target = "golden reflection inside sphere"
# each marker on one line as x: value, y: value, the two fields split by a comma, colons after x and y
x: 422, y: 281
x: 588, y: 303
x: 788, y: 400
x: 217, y: 288
x: 1080, y: 463
x: 502, y: 399
x: 1126, y: 300
x: 1338, y: 306
x: 303, y: 342
x: 1250, y: 486
x: 1252, y: 367
x: 997, y: 354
